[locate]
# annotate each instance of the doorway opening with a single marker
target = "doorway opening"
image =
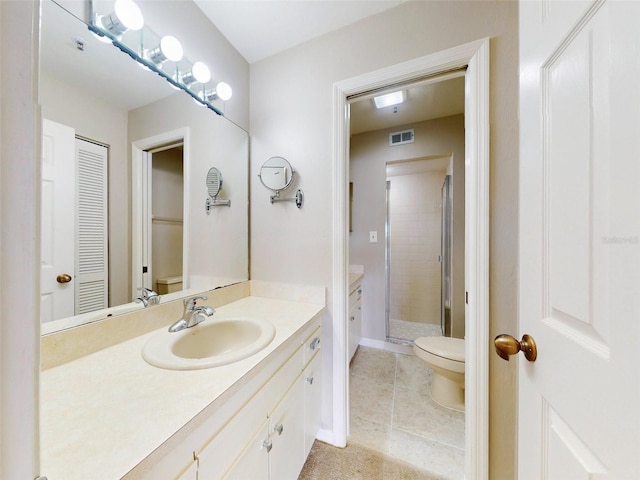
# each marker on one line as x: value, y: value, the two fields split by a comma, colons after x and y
x: 165, y: 211
x: 160, y: 226
x: 474, y: 57
x: 405, y: 189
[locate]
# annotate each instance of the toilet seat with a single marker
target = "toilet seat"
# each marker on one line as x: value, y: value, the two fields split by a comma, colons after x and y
x: 444, y: 352
x: 446, y: 347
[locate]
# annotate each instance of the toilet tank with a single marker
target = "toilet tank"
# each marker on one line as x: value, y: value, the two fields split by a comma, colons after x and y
x: 169, y: 284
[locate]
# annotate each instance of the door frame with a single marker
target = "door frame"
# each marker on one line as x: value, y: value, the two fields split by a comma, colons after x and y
x: 475, y: 57
x: 141, y: 174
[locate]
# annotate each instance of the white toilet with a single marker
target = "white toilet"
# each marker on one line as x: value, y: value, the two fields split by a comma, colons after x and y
x: 445, y: 356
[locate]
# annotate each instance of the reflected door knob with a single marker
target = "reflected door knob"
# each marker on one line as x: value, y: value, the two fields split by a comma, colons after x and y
x: 63, y: 278
x: 507, y: 345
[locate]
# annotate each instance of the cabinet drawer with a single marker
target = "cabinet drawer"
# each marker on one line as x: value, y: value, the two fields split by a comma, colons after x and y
x: 355, y: 295
x: 311, y: 346
x: 226, y: 446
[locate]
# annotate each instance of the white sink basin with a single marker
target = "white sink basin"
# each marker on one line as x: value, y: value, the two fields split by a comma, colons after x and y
x: 210, y: 344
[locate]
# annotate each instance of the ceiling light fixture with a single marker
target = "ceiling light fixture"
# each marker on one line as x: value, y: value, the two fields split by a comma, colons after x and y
x: 389, y: 99
x: 126, y: 16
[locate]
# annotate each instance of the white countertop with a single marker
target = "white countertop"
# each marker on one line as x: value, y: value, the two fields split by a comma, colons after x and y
x: 103, y: 414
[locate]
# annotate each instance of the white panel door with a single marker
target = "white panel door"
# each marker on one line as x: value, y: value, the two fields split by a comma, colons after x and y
x: 579, y: 402
x: 57, y: 221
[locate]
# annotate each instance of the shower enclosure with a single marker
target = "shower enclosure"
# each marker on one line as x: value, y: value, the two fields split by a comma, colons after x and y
x: 418, y: 234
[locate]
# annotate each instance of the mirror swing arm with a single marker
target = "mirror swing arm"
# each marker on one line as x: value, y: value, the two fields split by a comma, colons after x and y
x: 276, y: 174
x: 299, y: 198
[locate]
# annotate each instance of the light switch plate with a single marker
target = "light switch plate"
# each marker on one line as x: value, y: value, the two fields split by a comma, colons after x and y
x: 373, y: 237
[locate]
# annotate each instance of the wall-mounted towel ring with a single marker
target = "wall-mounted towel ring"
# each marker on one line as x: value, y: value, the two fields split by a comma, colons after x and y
x: 277, y: 175
x: 214, y: 185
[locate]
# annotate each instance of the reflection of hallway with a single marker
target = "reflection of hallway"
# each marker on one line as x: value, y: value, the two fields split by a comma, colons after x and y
x: 412, y: 330
x: 391, y: 411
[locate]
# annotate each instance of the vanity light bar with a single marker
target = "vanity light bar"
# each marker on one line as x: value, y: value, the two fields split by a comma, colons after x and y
x: 154, y: 58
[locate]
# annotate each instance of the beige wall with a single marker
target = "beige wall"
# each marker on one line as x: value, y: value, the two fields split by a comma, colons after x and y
x: 368, y: 156
x: 291, y: 116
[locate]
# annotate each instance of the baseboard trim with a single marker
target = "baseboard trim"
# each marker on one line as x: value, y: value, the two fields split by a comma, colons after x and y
x: 388, y: 346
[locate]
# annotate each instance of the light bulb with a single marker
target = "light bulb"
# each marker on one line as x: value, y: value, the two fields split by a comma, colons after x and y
x: 126, y: 15
x: 224, y: 91
x: 171, y: 48
x: 201, y: 72
x: 129, y: 14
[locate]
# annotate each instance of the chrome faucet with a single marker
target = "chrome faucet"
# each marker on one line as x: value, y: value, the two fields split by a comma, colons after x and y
x: 147, y: 297
x: 192, y: 314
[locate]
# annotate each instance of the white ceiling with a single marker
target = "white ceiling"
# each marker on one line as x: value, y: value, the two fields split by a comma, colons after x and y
x: 424, y: 101
x: 261, y: 28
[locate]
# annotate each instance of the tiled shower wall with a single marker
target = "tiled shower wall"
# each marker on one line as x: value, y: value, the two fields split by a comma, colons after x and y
x: 414, y: 221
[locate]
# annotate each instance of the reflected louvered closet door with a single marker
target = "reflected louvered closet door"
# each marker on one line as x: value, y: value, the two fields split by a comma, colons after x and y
x: 91, y: 227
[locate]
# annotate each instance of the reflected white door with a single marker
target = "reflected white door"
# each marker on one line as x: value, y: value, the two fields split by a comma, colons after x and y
x: 57, y: 221
x: 579, y: 402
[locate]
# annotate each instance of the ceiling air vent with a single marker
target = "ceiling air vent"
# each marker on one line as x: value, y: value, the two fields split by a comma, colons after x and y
x: 400, y: 138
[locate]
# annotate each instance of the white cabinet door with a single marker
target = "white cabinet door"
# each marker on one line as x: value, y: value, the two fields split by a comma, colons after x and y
x: 579, y: 240
x: 355, y: 320
x: 312, y: 401
x: 287, y: 435
x: 253, y: 464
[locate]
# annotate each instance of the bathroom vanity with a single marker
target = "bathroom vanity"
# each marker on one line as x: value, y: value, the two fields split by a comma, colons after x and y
x: 111, y: 415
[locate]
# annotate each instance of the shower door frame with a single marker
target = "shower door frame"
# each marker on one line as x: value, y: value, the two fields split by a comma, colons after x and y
x: 387, y: 251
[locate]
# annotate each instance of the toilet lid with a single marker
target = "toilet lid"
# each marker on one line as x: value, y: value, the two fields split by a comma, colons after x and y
x: 446, y: 347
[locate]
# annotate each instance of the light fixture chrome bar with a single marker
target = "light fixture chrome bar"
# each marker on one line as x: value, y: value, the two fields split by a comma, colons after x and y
x: 152, y: 66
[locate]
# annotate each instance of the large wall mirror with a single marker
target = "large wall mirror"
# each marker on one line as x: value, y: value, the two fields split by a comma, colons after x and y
x: 125, y: 162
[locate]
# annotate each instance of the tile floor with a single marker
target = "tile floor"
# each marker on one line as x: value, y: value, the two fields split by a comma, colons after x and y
x: 356, y: 462
x: 391, y: 411
x: 401, y: 329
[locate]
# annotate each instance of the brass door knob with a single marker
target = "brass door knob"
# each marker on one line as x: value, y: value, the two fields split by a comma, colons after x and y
x: 63, y: 278
x: 507, y: 345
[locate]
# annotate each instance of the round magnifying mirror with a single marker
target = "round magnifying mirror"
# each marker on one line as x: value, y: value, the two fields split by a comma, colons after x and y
x: 276, y: 174
x: 214, y: 182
